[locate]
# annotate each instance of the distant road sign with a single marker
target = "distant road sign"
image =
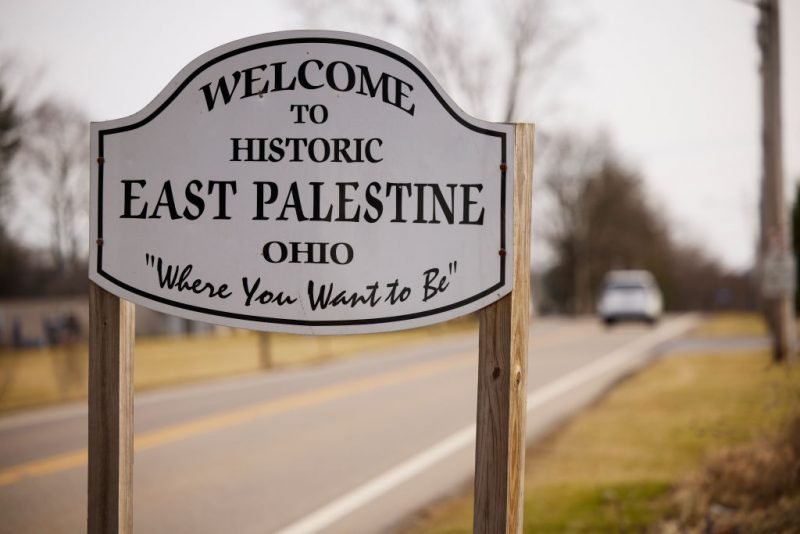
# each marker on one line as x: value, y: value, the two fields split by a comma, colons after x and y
x: 778, y: 275
x: 310, y: 182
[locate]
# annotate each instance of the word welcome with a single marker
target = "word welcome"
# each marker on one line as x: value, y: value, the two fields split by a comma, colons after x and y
x: 311, y: 74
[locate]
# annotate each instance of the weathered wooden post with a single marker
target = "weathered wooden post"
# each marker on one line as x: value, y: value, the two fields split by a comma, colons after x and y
x: 111, y: 341
x: 313, y: 183
x: 502, y: 372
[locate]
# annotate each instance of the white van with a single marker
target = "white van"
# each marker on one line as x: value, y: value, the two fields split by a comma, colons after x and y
x: 630, y: 296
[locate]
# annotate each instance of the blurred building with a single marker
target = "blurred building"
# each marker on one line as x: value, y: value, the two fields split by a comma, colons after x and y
x: 26, y: 322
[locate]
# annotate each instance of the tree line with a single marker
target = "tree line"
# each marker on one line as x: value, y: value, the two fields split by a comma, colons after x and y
x: 44, y: 190
x: 601, y: 219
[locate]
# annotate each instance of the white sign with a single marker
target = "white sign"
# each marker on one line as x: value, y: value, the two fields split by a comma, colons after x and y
x: 778, y: 275
x: 308, y: 182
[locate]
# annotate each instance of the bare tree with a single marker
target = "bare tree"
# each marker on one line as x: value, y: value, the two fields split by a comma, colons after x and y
x: 438, y: 28
x: 56, y: 151
x: 41, y: 186
x: 536, y: 40
x: 571, y: 164
x: 11, y: 119
x: 487, y: 68
x: 13, y: 258
x: 9, y: 140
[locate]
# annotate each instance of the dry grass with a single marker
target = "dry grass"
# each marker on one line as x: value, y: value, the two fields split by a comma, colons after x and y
x: 738, y: 324
x: 751, y: 488
x: 611, y: 468
x: 34, y: 377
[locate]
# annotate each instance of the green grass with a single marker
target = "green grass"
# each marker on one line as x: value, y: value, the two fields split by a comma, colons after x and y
x: 610, y: 469
x: 35, y: 377
x: 605, y: 508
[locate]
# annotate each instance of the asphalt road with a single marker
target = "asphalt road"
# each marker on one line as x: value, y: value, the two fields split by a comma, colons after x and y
x: 353, y: 446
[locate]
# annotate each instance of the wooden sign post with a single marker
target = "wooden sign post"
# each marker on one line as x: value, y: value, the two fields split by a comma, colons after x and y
x: 111, y: 342
x: 503, y: 372
x: 314, y: 183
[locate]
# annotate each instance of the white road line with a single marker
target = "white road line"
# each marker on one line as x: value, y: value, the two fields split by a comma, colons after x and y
x: 346, y: 504
x: 638, y: 347
x: 357, y: 498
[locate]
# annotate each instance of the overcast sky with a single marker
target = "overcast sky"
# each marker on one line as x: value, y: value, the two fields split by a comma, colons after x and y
x: 674, y: 82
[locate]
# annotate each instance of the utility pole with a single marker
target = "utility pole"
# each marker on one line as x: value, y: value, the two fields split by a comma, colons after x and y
x: 776, y: 259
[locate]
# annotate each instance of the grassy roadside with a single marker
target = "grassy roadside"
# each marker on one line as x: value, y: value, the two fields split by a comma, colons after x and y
x: 35, y: 377
x: 612, y: 468
x: 732, y: 325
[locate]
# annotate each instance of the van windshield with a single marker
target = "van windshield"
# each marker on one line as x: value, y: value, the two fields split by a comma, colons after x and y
x: 625, y: 286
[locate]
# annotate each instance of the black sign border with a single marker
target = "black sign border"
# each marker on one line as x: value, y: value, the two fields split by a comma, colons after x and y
x: 279, y: 320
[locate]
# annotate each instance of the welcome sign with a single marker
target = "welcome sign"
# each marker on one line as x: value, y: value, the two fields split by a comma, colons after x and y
x: 306, y: 182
